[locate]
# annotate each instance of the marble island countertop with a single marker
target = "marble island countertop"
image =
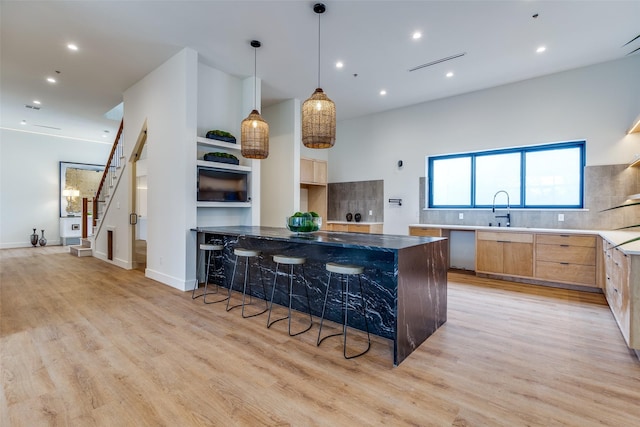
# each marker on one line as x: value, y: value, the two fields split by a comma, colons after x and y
x: 386, y: 242
x: 614, y: 236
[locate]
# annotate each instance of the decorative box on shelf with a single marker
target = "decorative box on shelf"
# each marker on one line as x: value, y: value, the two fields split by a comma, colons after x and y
x: 221, y: 136
x: 221, y: 158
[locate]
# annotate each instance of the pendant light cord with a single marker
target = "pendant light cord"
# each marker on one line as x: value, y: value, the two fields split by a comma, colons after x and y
x: 319, y: 49
x: 255, y: 84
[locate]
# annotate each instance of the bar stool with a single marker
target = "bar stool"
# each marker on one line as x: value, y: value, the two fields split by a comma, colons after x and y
x: 291, y: 261
x: 208, y: 250
x: 247, y: 254
x: 345, y: 271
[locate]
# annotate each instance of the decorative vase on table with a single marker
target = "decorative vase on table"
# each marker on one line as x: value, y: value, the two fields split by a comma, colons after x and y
x: 43, y: 241
x: 34, y: 238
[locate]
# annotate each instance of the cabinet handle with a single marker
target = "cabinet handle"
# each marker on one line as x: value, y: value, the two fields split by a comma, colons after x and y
x: 564, y: 263
x: 564, y: 246
x: 564, y: 235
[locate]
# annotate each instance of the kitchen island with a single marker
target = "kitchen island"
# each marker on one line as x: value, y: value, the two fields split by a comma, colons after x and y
x: 405, y: 277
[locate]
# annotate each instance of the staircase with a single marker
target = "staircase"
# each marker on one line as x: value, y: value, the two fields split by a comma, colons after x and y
x: 84, y: 249
x: 102, y: 199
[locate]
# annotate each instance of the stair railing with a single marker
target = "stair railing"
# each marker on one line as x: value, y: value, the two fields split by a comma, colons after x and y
x: 110, y: 169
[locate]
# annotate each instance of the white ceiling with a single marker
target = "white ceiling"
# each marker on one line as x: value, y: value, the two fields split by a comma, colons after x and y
x: 121, y: 41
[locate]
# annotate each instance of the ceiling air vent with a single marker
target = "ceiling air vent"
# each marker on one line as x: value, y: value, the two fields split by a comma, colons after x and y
x: 31, y: 107
x: 48, y: 127
x: 631, y: 41
x: 438, y: 61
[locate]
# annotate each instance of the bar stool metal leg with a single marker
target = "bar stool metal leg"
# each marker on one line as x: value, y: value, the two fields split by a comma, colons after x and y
x: 364, y: 314
x: 345, y: 271
x: 246, y: 254
x: 292, y: 261
x: 210, y: 250
x: 218, y: 273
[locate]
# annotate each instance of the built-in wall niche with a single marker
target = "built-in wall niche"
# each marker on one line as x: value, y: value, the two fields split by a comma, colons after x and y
x: 220, y: 185
x: 77, y: 180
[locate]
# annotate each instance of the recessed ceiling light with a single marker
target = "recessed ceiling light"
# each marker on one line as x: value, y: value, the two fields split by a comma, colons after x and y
x: 35, y: 101
x: 51, y: 80
x: 541, y: 49
x: 72, y: 46
x: 449, y: 74
x: 416, y: 35
x: 24, y: 122
x: 383, y: 92
x: 339, y: 64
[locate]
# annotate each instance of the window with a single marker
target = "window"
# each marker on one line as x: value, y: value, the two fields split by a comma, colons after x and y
x: 544, y: 176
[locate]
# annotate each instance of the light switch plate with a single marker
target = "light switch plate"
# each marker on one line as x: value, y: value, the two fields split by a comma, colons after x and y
x: 460, y: 215
x: 560, y: 217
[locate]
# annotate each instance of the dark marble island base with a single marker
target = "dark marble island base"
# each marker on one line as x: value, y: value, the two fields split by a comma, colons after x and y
x: 404, y: 280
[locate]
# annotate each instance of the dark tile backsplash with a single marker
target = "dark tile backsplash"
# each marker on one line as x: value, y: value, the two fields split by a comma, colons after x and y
x: 356, y: 197
x: 605, y: 186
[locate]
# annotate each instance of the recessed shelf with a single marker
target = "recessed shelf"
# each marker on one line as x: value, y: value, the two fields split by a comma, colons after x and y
x: 215, y: 143
x: 223, y: 204
x: 225, y: 166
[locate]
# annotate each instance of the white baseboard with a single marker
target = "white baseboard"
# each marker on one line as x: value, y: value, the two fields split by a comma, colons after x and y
x: 174, y: 282
x: 14, y: 245
x: 116, y: 261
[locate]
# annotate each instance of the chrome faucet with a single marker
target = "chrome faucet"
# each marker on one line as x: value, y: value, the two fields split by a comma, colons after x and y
x: 493, y: 208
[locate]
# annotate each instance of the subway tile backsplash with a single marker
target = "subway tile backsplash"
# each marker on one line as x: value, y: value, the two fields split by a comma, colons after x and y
x: 605, y: 186
x: 356, y: 197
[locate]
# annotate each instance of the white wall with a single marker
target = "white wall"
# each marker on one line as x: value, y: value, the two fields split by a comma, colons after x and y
x: 280, y: 178
x: 30, y: 182
x: 167, y: 99
x: 596, y: 103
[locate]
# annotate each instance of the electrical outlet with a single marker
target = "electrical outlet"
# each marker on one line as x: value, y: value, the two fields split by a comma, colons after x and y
x: 560, y: 217
x: 370, y: 212
x: 460, y: 215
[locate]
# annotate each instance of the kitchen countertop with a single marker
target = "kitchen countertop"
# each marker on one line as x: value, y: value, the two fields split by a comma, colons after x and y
x: 331, y: 221
x: 614, y: 236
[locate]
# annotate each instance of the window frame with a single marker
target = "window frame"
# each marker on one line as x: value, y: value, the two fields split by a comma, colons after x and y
x: 581, y: 145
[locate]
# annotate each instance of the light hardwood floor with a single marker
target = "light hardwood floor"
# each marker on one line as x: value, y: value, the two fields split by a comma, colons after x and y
x: 84, y: 343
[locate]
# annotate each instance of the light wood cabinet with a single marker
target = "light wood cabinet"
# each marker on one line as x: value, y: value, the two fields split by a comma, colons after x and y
x: 355, y: 228
x: 622, y: 291
x: 504, y: 253
x: 313, y: 182
x: 566, y: 258
x: 313, y: 171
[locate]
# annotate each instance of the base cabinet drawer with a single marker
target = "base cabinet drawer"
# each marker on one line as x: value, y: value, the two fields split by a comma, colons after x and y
x: 565, y: 272
x: 566, y: 239
x: 355, y: 228
x: 564, y: 253
x: 337, y: 227
x: 425, y: 232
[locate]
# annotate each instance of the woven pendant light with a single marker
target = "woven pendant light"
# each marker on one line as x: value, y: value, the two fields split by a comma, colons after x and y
x: 254, y: 132
x: 318, y: 112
